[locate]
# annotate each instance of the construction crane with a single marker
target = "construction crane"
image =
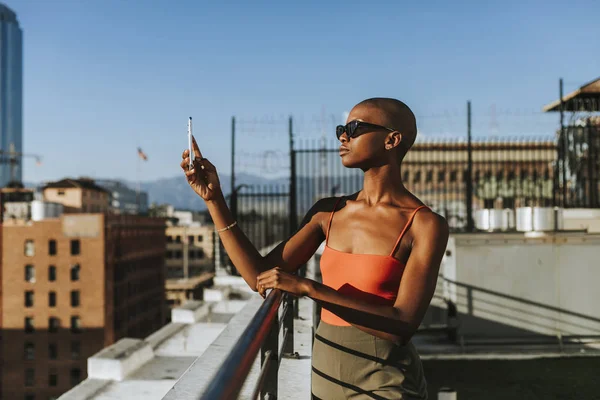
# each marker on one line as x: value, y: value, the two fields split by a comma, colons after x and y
x: 11, y: 157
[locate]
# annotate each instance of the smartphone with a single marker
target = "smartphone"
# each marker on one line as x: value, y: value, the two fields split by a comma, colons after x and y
x: 190, y: 146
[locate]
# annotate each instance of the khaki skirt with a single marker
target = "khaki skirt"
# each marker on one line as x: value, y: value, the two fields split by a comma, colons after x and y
x: 348, y: 363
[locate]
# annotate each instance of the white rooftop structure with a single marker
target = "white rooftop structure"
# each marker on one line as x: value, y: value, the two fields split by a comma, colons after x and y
x: 178, y: 361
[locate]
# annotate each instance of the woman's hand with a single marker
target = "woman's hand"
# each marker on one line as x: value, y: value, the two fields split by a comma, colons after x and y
x: 203, y: 176
x: 276, y: 278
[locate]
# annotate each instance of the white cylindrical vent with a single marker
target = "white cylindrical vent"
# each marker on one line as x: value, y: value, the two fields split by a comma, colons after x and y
x: 447, y: 394
x: 37, y: 210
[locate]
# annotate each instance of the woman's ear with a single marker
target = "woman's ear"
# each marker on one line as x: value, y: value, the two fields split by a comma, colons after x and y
x: 393, y: 140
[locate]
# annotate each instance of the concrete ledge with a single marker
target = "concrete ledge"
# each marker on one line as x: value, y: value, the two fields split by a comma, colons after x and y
x: 197, y: 378
x: 119, y: 360
x: 86, y: 390
x: 164, y: 333
x: 191, y: 312
x: 216, y: 294
x: 228, y: 307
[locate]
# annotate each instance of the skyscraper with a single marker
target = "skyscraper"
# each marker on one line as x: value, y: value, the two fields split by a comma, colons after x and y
x: 11, y: 95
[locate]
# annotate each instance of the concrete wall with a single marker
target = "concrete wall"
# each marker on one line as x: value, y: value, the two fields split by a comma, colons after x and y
x: 517, y: 285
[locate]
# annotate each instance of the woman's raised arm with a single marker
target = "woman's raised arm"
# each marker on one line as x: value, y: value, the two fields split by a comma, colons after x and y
x: 288, y: 255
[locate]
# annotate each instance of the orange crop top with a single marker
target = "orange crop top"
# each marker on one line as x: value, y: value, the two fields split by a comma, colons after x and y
x: 371, y: 277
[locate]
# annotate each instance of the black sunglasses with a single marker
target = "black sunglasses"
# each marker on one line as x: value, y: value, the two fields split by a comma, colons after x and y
x: 352, y: 127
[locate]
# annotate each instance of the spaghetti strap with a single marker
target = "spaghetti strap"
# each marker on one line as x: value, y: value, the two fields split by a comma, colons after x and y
x: 408, y: 224
x: 330, y: 220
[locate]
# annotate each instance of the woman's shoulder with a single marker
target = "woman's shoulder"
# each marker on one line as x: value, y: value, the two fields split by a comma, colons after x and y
x: 320, y: 211
x: 429, y: 222
x: 328, y: 204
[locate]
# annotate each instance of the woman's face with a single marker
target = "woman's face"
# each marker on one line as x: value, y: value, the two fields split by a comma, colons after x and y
x: 366, y: 150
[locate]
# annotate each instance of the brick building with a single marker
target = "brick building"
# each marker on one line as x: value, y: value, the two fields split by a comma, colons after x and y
x: 71, y: 286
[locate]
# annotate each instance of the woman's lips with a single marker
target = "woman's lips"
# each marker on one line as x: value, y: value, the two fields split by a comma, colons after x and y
x: 343, y: 150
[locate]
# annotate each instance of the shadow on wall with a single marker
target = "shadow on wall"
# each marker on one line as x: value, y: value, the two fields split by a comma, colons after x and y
x: 486, y: 313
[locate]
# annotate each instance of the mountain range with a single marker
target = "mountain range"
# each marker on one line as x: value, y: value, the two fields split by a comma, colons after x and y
x: 177, y: 192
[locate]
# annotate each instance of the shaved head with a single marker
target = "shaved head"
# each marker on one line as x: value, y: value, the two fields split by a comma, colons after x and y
x: 396, y: 115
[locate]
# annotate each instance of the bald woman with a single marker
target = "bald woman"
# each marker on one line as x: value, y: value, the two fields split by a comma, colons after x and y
x: 383, y: 249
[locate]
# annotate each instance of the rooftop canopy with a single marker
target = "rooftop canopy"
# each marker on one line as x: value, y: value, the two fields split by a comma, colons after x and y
x: 585, y: 99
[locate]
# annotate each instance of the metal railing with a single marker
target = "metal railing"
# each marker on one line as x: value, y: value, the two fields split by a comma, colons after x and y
x: 262, y: 333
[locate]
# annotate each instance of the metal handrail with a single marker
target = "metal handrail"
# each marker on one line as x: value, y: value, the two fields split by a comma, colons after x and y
x: 231, y: 375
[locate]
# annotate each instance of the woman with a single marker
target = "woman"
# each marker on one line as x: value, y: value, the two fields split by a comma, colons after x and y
x: 380, y: 263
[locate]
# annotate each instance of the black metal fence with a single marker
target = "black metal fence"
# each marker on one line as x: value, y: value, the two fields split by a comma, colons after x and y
x: 263, y: 213
x: 505, y: 174
x: 455, y: 177
x: 578, y: 168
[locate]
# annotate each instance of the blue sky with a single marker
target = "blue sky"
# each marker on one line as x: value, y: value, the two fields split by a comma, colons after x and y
x: 103, y: 77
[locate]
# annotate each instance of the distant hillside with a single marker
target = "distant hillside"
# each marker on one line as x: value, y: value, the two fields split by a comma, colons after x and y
x: 177, y: 192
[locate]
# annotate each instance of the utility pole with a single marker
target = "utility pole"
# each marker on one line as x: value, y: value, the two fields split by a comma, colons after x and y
x: 233, y: 198
x: 470, y: 225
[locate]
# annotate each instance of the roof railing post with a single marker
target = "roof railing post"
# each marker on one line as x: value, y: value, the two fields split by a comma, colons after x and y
x: 270, y: 349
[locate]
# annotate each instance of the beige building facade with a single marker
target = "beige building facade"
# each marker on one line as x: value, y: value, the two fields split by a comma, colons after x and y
x: 78, y: 195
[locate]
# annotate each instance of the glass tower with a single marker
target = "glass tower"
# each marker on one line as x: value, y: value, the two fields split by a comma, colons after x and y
x: 11, y: 96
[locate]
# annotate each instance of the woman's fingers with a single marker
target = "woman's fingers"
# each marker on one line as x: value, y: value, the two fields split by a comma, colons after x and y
x: 269, y: 283
x: 197, y: 152
x: 184, y: 163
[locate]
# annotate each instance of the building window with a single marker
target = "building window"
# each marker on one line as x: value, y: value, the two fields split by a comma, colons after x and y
x: 29, y: 298
x: 29, y: 377
x: 52, y: 299
x: 169, y: 254
x: 191, y: 254
x: 417, y: 177
x: 29, y: 325
x: 75, y: 247
x: 75, y: 272
x: 429, y: 176
x: 405, y: 176
x: 52, y: 247
x: 169, y: 239
x: 75, y: 376
x: 441, y: 176
x: 51, y: 273
x: 190, y: 239
x: 199, y: 253
x: 75, y: 350
x: 29, y: 273
x: 200, y: 238
x: 52, y: 351
x: 61, y: 192
x: 453, y: 175
x: 75, y: 324
x: 29, y: 248
x: 52, y: 378
x: 29, y: 396
x: 29, y: 351
x: 178, y: 254
x: 53, y: 324
x: 177, y: 239
x: 75, y: 298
